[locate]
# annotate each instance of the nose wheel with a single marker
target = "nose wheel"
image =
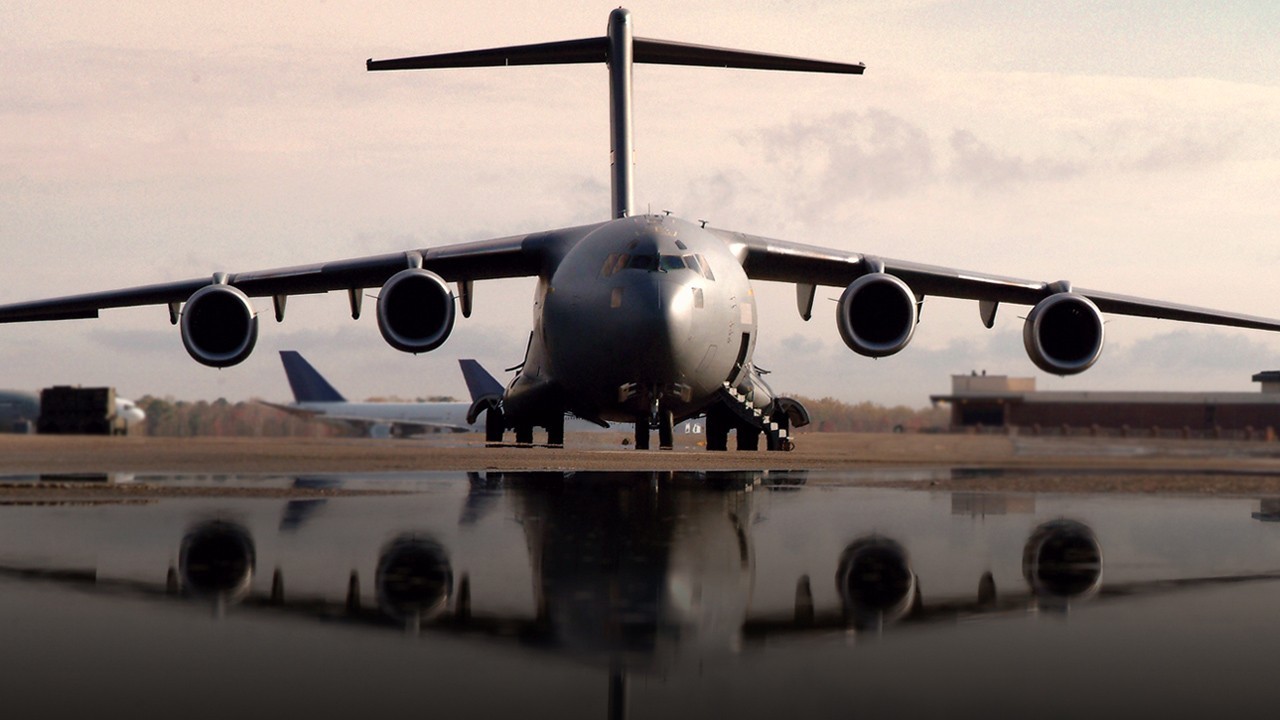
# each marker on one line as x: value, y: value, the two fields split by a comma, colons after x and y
x: 665, y: 423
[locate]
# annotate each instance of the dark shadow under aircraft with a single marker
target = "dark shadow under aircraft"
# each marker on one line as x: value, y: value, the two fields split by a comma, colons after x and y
x: 644, y: 319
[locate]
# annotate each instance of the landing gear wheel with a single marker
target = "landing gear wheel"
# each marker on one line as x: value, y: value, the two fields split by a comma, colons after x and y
x: 555, y: 432
x: 642, y: 433
x: 748, y: 438
x: 666, y: 430
x: 524, y: 434
x: 717, y: 432
x: 493, y: 427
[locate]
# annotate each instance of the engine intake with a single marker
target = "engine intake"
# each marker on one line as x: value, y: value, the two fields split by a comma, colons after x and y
x: 1063, y: 334
x: 1062, y: 559
x: 217, y: 560
x: 875, y: 581
x: 414, y: 578
x: 219, y: 326
x: 415, y: 311
x: 876, y: 315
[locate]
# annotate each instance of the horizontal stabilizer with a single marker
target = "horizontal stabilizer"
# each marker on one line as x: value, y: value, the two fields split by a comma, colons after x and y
x: 587, y: 50
x: 307, y: 383
x: 666, y: 52
x: 590, y: 50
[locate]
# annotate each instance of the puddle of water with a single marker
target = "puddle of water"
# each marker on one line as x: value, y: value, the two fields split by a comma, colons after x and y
x: 635, y: 594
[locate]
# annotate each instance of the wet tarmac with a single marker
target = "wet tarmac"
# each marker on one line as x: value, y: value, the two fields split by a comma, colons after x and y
x: 632, y: 594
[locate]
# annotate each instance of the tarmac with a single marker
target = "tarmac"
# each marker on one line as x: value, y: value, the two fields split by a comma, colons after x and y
x: 995, y: 463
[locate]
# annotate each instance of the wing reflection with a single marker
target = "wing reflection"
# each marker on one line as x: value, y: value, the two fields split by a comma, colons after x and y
x: 636, y: 572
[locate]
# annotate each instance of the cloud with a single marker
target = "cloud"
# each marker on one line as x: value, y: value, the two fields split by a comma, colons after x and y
x: 979, y: 164
x: 853, y: 155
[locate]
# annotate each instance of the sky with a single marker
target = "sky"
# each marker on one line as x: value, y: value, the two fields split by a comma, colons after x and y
x: 1131, y: 146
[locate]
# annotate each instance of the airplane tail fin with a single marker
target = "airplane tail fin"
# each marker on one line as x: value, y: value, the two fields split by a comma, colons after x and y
x: 480, y: 384
x: 308, y: 384
x: 619, y: 49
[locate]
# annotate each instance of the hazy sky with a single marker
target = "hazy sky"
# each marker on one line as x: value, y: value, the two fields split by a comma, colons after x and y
x: 1125, y: 146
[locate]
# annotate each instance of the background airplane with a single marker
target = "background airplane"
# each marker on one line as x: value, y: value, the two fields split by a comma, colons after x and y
x: 645, y: 319
x: 314, y: 397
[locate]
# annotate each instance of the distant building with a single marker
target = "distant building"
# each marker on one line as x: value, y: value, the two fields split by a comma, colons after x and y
x: 1000, y: 401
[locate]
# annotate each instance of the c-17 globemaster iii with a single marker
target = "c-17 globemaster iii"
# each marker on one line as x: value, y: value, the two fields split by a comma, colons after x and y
x: 647, y: 319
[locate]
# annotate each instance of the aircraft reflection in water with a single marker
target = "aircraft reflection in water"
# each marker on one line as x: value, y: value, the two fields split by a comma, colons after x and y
x: 635, y: 566
x: 642, y: 574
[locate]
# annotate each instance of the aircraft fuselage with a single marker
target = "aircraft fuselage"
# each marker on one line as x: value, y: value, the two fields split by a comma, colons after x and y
x: 642, y: 312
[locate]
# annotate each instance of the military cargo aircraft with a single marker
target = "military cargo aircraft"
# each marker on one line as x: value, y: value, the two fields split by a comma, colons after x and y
x: 647, y: 319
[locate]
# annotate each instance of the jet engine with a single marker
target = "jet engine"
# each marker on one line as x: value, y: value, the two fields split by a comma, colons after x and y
x: 414, y: 578
x: 1063, y: 334
x: 1062, y: 561
x: 875, y: 581
x: 219, y: 326
x: 876, y: 315
x: 415, y: 311
x: 217, y: 560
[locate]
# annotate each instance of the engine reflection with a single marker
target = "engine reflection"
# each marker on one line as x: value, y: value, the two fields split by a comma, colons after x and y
x: 414, y: 580
x: 875, y: 583
x: 629, y: 572
x: 1062, y: 562
x: 216, y: 561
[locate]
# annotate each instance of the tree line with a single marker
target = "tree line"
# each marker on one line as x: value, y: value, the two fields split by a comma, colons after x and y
x: 181, y: 418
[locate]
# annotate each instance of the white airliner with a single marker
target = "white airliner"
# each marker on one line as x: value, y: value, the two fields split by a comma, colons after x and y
x: 315, y: 397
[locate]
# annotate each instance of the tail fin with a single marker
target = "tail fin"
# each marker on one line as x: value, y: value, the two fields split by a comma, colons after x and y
x: 479, y: 382
x: 619, y: 49
x: 308, y: 385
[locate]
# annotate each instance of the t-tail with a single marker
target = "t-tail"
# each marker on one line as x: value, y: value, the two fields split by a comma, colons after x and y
x: 308, y: 384
x: 619, y: 50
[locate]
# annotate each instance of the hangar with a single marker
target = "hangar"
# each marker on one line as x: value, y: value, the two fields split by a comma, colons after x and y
x: 1012, y: 404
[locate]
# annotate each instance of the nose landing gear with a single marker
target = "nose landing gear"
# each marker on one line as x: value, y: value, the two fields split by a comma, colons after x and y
x: 662, y: 419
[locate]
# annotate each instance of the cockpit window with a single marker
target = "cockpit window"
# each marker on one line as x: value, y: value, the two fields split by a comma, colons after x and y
x: 643, y: 262
x: 702, y: 266
x: 671, y: 262
x: 649, y: 262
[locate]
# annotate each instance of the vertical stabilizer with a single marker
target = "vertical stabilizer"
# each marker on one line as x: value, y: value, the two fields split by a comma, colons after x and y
x: 619, y: 49
x: 480, y: 384
x: 621, y: 151
x: 308, y: 384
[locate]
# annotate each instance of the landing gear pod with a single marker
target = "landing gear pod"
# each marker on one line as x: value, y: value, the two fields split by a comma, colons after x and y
x: 876, y: 315
x: 219, y: 326
x: 1063, y: 334
x: 415, y: 311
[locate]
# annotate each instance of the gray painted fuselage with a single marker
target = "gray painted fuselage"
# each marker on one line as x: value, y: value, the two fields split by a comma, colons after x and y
x: 642, y: 310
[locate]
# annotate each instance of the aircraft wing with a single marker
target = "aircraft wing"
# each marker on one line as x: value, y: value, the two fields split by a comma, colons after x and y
x: 779, y: 260
x: 513, y: 256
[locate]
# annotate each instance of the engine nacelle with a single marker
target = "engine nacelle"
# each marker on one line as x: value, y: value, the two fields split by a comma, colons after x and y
x: 876, y: 315
x: 415, y: 311
x: 219, y: 326
x: 217, y: 560
x: 414, y: 578
x: 875, y: 581
x: 1063, y: 334
x: 1062, y: 560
